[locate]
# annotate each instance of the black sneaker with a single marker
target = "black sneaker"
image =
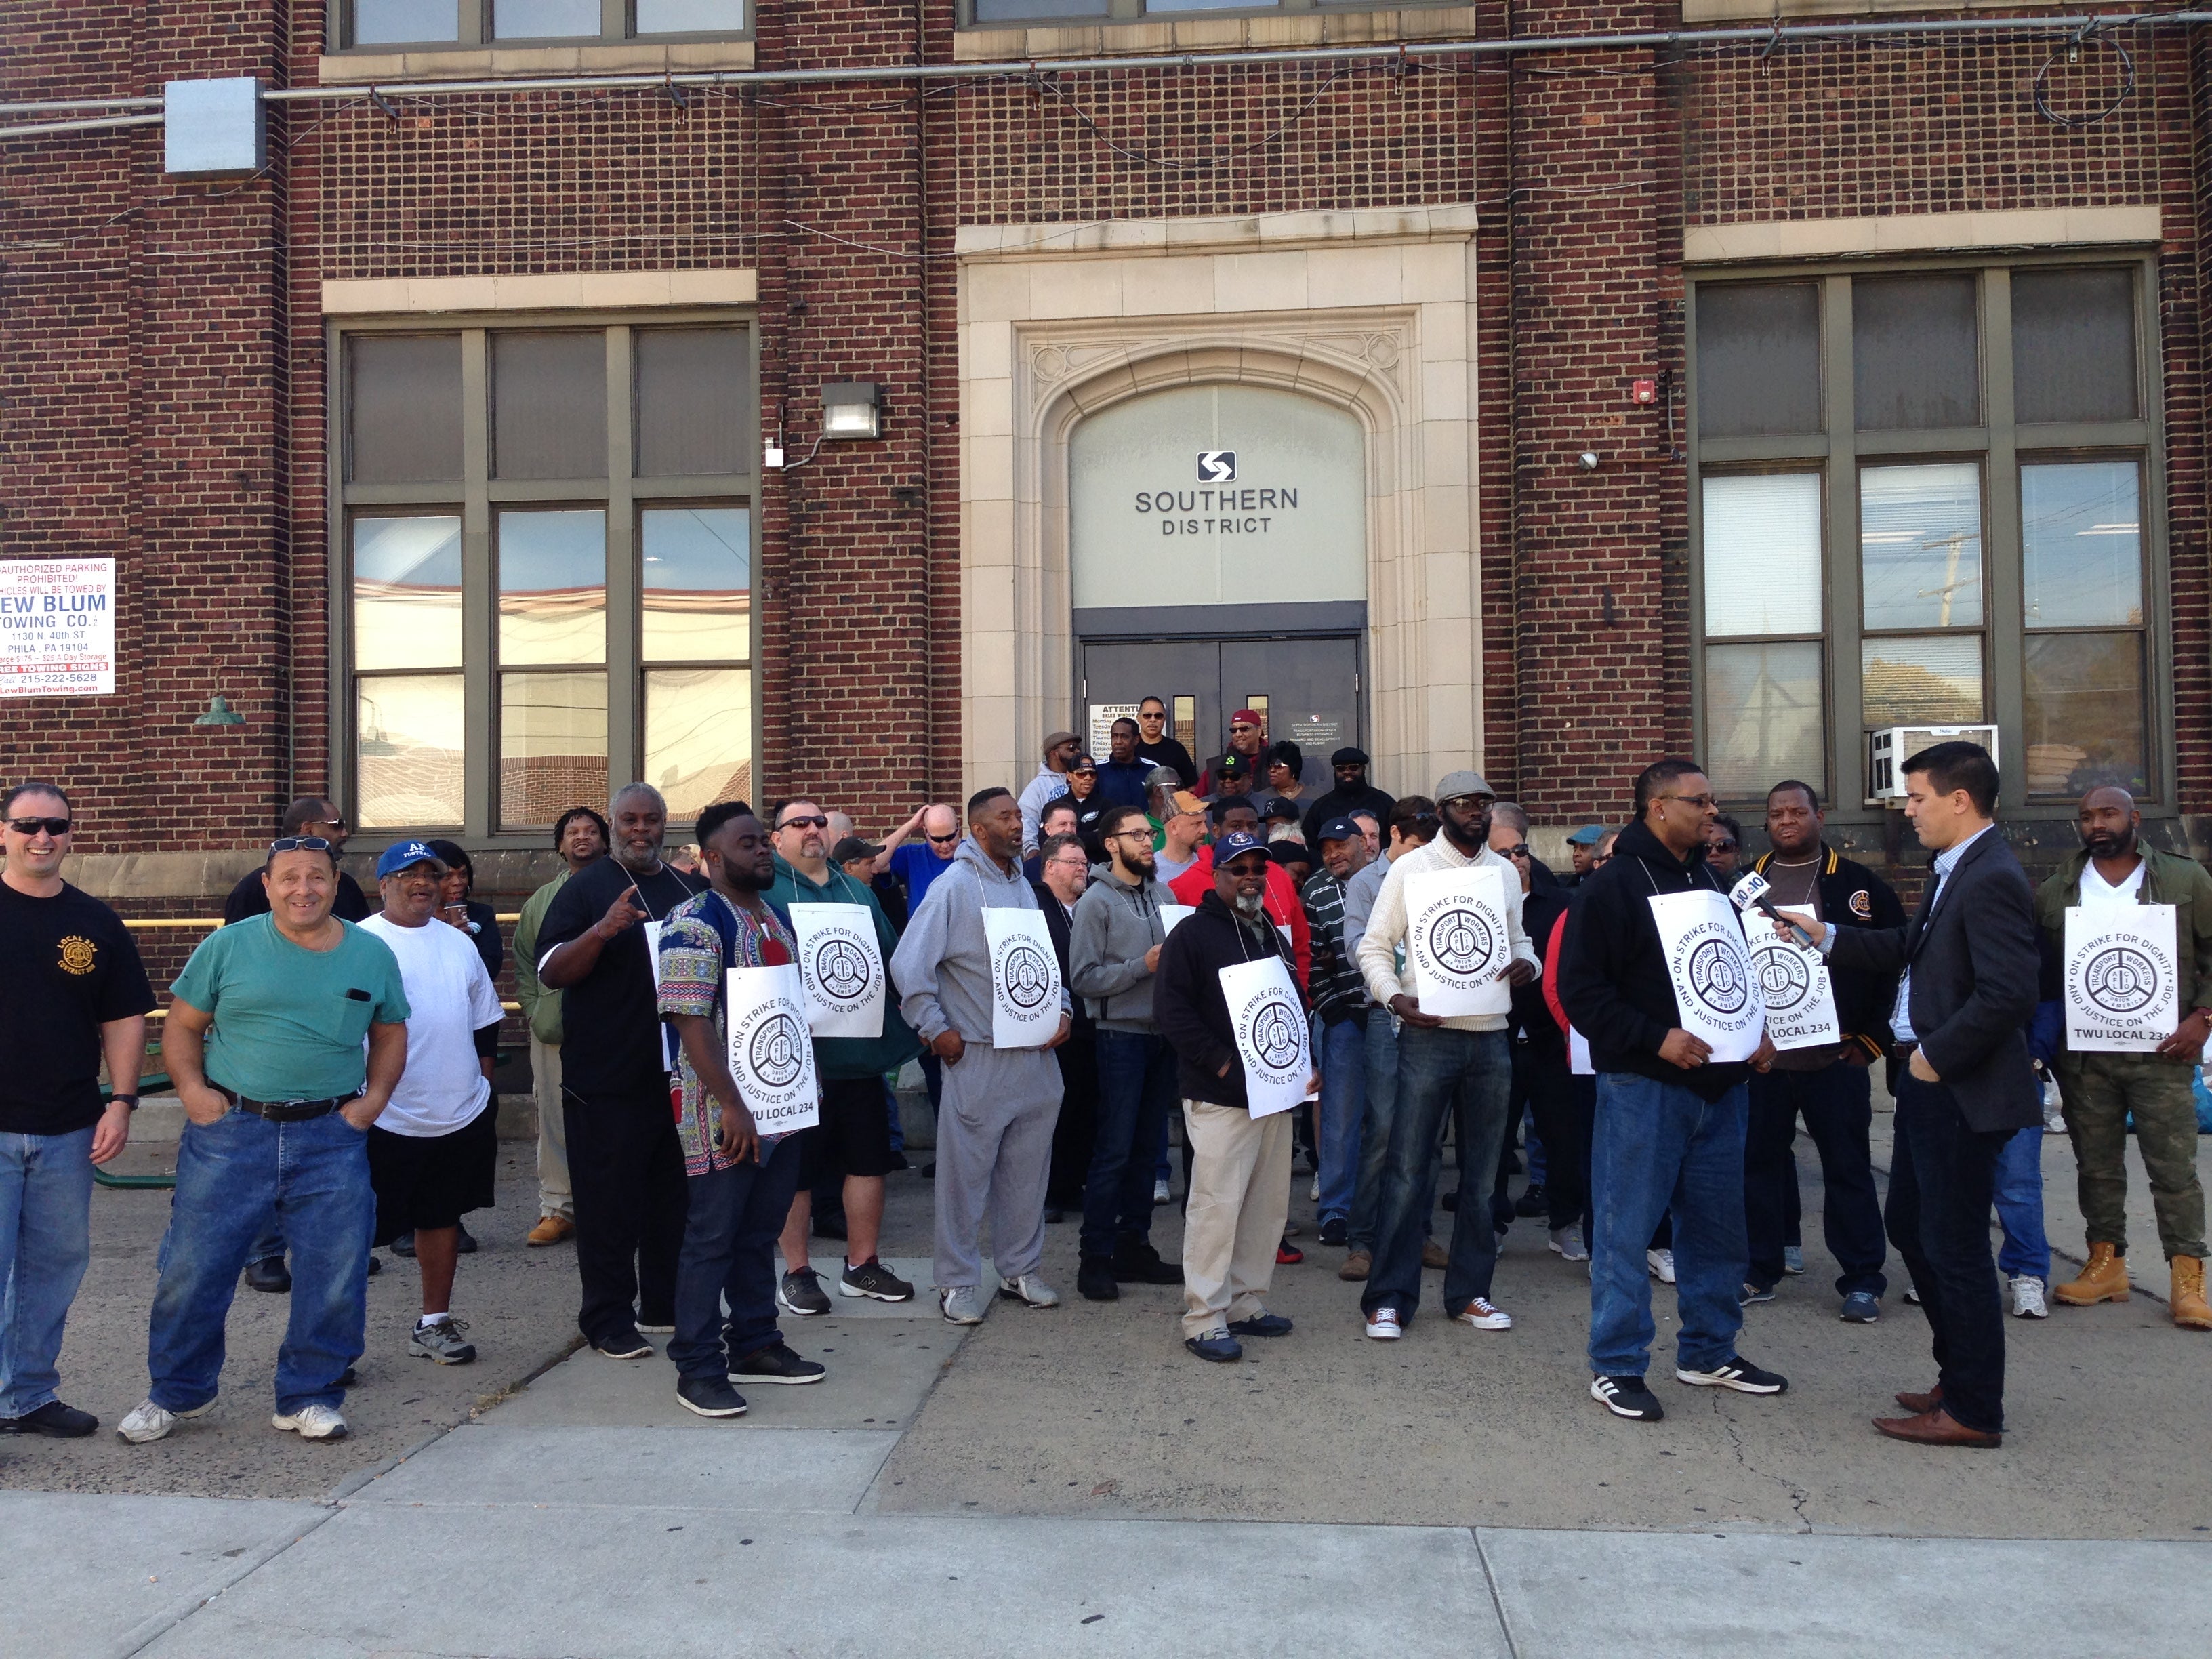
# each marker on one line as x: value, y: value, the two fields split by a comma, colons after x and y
x: 800, y: 1292
x: 1755, y: 1293
x: 1094, y: 1280
x: 270, y: 1275
x: 710, y: 1396
x: 403, y: 1246
x: 1627, y: 1396
x: 375, y: 1264
x: 1136, y: 1262
x: 53, y: 1419
x: 624, y: 1343
x: 1736, y: 1373
x: 776, y: 1363
x: 1533, y: 1203
x: 465, y: 1242
x: 1333, y: 1232
x: 875, y: 1281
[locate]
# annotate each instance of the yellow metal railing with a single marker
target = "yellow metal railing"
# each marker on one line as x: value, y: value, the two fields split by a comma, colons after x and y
x: 214, y: 924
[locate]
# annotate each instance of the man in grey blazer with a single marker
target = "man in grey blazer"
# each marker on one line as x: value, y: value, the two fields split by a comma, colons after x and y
x: 1963, y: 1083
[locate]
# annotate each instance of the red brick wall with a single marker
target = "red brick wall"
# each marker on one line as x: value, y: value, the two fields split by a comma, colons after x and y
x: 164, y: 376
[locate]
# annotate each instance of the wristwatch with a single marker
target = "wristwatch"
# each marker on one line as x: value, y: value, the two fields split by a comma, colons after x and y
x: 131, y: 1100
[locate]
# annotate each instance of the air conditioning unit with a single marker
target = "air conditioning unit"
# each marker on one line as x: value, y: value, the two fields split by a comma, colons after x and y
x: 1888, y: 749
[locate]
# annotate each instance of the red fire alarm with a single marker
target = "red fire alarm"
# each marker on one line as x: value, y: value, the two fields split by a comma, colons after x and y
x: 1644, y: 391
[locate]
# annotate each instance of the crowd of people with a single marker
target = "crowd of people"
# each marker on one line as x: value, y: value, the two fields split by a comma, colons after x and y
x: 1246, y: 949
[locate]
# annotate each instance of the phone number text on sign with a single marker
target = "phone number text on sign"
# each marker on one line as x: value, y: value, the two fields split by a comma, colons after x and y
x: 57, y: 628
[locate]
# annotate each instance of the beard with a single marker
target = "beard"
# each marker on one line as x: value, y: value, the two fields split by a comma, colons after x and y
x: 2104, y: 844
x: 750, y: 881
x: 1253, y: 907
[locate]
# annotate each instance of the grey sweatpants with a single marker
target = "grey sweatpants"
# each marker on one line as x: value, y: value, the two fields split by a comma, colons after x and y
x: 995, y: 1128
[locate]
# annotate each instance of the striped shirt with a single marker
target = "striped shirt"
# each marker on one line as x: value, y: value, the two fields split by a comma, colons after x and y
x: 692, y: 969
x: 1335, y: 984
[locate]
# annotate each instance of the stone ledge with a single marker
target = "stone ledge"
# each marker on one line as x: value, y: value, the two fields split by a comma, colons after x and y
x: 582, y: 290
x: 531, y: 63
x: 1913, y: 232
x: 1164, y: 34
x: 1138, y: 237
x: 1761, y: 11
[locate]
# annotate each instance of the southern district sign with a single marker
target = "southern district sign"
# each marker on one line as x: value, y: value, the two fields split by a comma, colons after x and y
x: 57, y: 628
x: 2122, y: 994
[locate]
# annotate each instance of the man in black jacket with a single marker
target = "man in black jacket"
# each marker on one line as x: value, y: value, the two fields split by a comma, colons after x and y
x: 1829, y: 1083
x: 1352, y: 793
x: 1668, y: 1138
x: 1240, y: 1175
x: 1063, y: 872
x: 1965, y: 1083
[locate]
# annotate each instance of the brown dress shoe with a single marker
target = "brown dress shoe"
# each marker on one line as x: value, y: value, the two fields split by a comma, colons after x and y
x: 550, y: 1230
x: 1921, y: 1404
x: 1432, y: 1255
x: 2104, y: 1280
x: 1356, y: 1265
x: 2190, y: 1310
x: 1936, y: 1428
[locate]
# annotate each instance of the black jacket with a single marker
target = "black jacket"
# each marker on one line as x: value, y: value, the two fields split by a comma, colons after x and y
x: 1342, y: 804
x: 1541, y: 910
x: 1612, y: 973
x: 1852, y: 896
x: 1059, y: 924
x: 1186, y: 1001
x: 1974, y: 975
x: 1170, y: 753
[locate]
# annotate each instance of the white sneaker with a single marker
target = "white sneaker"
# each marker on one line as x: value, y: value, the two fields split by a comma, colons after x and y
x: 1382, y: 1325
x: 1660, y: 1264
x: 148, y: 1422
x: 1793, y: 1259
x: 1160, y: 1194
x: 2027, y: 1297
x: 316, y: 1422
x: 1030, y: 1289
x: 1484, y: 1315
x: 961, y: 1306
x: 1313, y: 1192
x: 1567, y: 1242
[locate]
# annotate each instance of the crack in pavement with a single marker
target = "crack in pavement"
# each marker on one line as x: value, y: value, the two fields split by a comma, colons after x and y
x: 1799, y: 1496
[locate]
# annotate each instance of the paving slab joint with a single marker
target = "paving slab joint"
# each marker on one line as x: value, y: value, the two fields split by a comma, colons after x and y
x: 148, y: 1631
x: 485, y: 1402
x: 1496, y: 1601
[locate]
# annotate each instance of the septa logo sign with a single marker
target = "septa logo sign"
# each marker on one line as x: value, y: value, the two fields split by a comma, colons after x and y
x: 1217, y: 466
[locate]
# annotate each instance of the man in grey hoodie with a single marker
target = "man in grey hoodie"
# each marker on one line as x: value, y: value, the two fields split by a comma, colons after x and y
x: 994, y: 1124
x: 1113, y: 953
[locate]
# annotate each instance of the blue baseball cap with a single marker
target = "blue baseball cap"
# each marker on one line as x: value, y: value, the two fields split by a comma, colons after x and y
x: 1234, y: 844
x: 1589, y: 836
x: 405, y: 855
x: 1339, y: 830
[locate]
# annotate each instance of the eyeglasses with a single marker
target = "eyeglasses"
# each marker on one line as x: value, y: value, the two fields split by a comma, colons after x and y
x: 303, y: 844
x: 1068, y: 866
x: 1465, y: 802
x: 329, y: 823
x: 1699, y: 801
x: 1084, y: 772
x: 946, y: 840
x: 1723, y: 845
x: 817, y: 823
x: 1520, y: 852
x: 1130, y: 835
x: 31, y: 826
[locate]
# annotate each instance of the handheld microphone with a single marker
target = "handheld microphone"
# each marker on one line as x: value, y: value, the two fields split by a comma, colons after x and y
x: 1750, y: 894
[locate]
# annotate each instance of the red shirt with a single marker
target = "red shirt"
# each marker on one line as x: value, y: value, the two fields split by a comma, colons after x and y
x: 1281, y: 904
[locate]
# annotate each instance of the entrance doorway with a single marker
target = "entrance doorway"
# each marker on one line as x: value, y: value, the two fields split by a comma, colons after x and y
x: 1307, y: 689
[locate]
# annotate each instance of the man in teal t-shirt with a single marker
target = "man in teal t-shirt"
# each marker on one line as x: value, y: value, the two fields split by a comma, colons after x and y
x: 286, y: 1037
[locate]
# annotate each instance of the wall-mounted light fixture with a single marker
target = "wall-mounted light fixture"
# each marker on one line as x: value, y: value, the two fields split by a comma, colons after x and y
x: 220, y: 712
x: 849, y: 409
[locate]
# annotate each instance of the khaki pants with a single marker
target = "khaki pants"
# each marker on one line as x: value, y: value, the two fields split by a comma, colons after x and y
x: 2098, y: 1092
x: 554, y: 1196
x: 1240, y: 1196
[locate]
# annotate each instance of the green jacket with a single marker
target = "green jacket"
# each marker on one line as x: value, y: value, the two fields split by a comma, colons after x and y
x: 541, y: 1008
x: 2168, y: 879
x: 845, y: 1057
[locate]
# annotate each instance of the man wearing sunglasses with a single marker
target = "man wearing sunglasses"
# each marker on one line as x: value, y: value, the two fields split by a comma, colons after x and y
x: 1061, y: 752
x: 1154, y: 744
x: 77, y: 995
x: 918, y: 864
x: 287, y: 1034
x: 1669, y: 1132
x: 310, y: 815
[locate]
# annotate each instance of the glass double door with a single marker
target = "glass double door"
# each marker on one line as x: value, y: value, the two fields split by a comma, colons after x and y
x: 1307, y: 690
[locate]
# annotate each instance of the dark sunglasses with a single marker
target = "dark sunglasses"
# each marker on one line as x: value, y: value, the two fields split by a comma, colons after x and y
x: 1084, y: 772
x: 1520, y: 852
x: 1722, y: 846
x: 946, y: 840
x: 804, y: 823
x: 31, y: 826
x: 303, y: 844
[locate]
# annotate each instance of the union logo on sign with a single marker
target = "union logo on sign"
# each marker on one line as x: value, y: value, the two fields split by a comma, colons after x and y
x: 1460, y: 939
x: 1717, y: 977
x: 2121, y: 980
x: 1028, y: 976
x: 1275, y: 1034
x: 1782, y: 976
x: 841, y: 968
x: 775, y: 1051
x: 1217, y: 466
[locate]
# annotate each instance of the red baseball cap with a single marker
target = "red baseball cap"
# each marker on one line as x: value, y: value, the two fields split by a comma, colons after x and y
x: 1246, y: 717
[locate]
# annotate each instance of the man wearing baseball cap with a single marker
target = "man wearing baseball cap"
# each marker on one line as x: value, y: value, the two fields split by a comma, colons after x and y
x: 1248, y: 735
x: 1240, y: 1175
x: 1582, y: 847
x: 1352, y: 793
x: 1459, y: 1062
x: 1061, y: 751
x: 433, y: 1155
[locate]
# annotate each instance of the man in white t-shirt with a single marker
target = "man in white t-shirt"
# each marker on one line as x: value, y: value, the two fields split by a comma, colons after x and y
x: 433, y: 1155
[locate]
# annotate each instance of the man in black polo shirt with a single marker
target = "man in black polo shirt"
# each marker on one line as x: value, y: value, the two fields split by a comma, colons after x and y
x: 625, y: 1162
x: 75, y: 992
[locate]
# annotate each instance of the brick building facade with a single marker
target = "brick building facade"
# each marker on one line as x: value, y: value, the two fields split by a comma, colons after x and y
x: 1525, y: 282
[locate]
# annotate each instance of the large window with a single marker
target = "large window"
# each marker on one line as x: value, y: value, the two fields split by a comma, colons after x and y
x: 546, y: 537
x: 379, y: 25
x: 1921, y: 500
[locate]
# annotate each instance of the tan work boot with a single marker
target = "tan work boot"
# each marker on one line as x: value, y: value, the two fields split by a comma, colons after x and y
x: 550, y: 1230
x: 2104, y: 1280
x: 1357, y: 1266
x: 2190, y: 1310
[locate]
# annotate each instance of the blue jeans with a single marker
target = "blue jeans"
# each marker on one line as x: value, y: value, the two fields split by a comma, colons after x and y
x: 1341, y: 1050
x: 1470, y: 1074
x: 2020, y: 1207
x: 1659, y: 1149
x: 230, y: 1173
x: 1378, y: 1111
x: 1136, y: 1091
x: 45, y: 1244
x: 730, y: 1228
